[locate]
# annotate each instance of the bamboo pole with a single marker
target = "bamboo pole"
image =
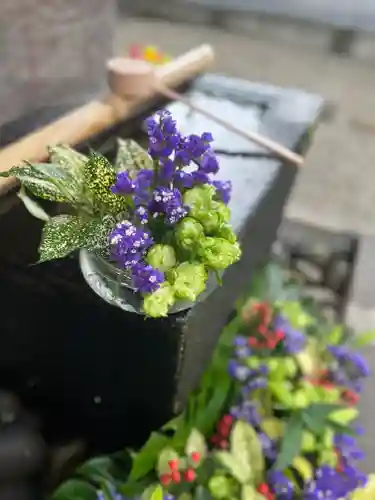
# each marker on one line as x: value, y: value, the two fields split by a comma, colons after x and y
x: 97, y: 116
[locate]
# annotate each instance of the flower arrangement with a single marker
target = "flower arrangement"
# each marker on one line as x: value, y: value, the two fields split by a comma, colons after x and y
x: 274, y: 418
x: 158, y: 216
x: 148, y: 53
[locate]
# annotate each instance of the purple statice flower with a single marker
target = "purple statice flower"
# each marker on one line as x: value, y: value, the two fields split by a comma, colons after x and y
x: 163, y: 136
x: 269, y: 446
x: 184, y: 179
x: 280, y: 485
x: 353, y: 360
x: 247, y: 411
x: 168, y: 202
x: 166, y: 170
x: 128, y: 243
x: 241, y: 348
x: 116, y: 496
x: 238, y: 371
x: 146, y: 279
x: 333, y: 485
x: 192, y: 148
x: 124, y: 184
x: 253, y: 385
x: 294, y: 340
x: 142, y: 190
x: 348, y: 448
x: 209, y: 164
x: 142, y: 214
x: 224, y: 190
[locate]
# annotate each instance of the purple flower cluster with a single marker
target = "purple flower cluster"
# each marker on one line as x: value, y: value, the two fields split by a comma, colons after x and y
x: 128, y: 245
x: 167, y: 202
x: 294, y: 340
x: 330, y: 484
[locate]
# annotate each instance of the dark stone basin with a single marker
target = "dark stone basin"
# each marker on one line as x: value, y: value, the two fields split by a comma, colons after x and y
x: 110, y: 377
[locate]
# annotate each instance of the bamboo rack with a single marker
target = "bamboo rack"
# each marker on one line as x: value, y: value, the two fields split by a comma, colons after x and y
x: 97, y: 116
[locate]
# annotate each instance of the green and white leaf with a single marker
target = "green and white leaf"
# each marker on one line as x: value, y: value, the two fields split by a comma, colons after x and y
x: 247, y: 449
x: 132, y: 157
x: 241, y: 472
x: 343, y: 416
x: 196, y: 443
x: 64, y: 234
x: 166, y: 455
x: 32, y: 206
x: 248, y: 492
x: 36, y: 182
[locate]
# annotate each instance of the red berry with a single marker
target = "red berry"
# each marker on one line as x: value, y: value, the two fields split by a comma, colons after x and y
x: 263, y: 489
x: 227, y: 420
x: 252, y: 341
x: 262, y: 329
x: 195, y: 456
x: 215, y: 439
x: 223, y: 444
x: 165, y: 479
x: 189, y: 475
x: 175, y: 476
x: 173, y: 464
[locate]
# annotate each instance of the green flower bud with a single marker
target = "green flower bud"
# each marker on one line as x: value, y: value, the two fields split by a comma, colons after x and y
x: 218, y: 253
x: 222, y: 210
x: 161, y: 257
x: 188, y: 233
x: 189, y: 280
x: 199, y: 196
x: 220, y: 487
x: 226, y: 231
x: 157, y: 304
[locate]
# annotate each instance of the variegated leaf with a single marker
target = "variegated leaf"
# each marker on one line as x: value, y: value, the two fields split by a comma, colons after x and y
x: 36, y: 182
x: 32, y: 206
x: 132, y: 157
x: 100, y: 176
x: 64, y: 234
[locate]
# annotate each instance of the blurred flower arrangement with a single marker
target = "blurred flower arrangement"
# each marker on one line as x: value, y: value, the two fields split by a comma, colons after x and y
x: 158, y: 216
x: 148, y: 53
x: 274, y: 418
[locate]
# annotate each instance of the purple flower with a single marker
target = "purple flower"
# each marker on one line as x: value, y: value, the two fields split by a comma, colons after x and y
x: 294, y: 340
x: 247, y: 411
x: 280, y: 485
x: 192, y: 148
x: 269, y: 446
x: 168, y: 202
x: 238, y: 371
x: 242, y: 350
x: 142, y: 214
x: 185, y: 179
x: 124, y: 184
x: 209, y: 163
x: 224, y: 190
x: 348, y: 448
x: 163, y: 137
x: 116, y: 496
x: 167, y: 169
x: 146, y: 279
x: 128, y: 243
x: 331, y: 484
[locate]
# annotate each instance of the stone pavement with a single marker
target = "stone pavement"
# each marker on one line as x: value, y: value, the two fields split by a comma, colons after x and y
x: 336, y: 188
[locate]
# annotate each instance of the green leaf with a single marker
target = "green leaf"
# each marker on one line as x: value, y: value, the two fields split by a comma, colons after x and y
x: 75, y: 489
x: 303, y: 467
x: 248, y: 492
x: 273, y: 427
x: 291, y: 443
x: 201, y: 493
x: 96, y: 469
x: 64, y: 234
x: 206, y: 418
x: 247, y: 449
x: 145, y: 460
x: 219, y: 487
x: 315, y: 417
x: 196, y: 443
x: 157, y: 494
x: 36, y: 182
x: 166, y: 455
x: 363, y: 339
x: 335, y: 336
x: 240, y: 471
x: 282, y: 392
x: 343, y: 416
x: 132, y: 157
x: 32, y: 206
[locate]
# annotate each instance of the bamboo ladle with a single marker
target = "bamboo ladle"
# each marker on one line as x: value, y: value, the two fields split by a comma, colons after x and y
x: 132, y: 78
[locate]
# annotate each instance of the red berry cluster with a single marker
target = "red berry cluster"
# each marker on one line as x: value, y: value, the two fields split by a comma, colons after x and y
x: 221, y: 437
x: 175, y: 476
x: 265, y: 490
x: 268, y: 338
